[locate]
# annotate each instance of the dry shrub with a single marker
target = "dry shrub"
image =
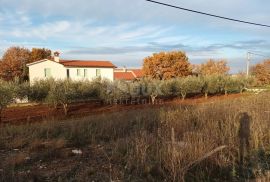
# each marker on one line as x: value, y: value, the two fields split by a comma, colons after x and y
x: 16, y: 160
x: 53, y: 144
x: 175, y: 143
x: 17, y: 143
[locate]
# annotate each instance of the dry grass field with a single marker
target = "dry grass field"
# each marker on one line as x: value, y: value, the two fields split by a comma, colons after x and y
x: 176, y: 142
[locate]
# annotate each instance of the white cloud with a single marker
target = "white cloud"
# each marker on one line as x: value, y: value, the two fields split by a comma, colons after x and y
x: 130, y: 30
x: 43, y: 31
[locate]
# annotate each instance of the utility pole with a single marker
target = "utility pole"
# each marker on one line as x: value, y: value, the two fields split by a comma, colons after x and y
x: 249, y: 59
x: 248, y: 62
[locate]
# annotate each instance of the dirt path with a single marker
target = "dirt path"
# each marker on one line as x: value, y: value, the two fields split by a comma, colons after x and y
x: 42, y: 112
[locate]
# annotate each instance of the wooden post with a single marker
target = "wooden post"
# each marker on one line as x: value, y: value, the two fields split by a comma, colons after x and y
x: 244, y: 136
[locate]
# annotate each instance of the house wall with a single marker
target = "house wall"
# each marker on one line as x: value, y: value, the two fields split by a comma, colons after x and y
x: 106, y: 73
x: 36, y: 71
x: 58, y: 71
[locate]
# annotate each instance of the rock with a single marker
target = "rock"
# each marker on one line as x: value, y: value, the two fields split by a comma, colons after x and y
x: 78, y: 152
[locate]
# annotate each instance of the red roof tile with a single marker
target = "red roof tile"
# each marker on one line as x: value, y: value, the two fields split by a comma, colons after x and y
x: 123, y: 76
x: 138, y: 73
x: 80, y: 63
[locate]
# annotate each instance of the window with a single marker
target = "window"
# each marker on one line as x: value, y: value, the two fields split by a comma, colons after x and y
x: 68, y: 76
x: 98, y: 72
x: 47, y: 72
x: 85, y: 73
x: 79, y: 73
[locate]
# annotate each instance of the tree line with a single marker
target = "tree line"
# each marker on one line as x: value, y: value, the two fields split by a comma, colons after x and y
x: 61, y: 93
x: 163, y: 65
x: 167, y: 65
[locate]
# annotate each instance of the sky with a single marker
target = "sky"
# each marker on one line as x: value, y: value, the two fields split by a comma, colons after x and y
x: 127, y: 31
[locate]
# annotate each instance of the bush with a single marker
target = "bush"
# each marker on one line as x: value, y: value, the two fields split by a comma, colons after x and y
x: 169, y: 88
x: 230, y: 85
x: 22, y: 90
x: 39, y: 90
x: 188, y: 85
x: 243, y: 82
x: 7, y: 94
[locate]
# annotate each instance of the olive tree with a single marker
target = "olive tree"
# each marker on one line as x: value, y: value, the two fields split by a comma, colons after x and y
x: 103, y: 88
x: 212, y: 84
x: 62, y: 92
x: 21, y: 90
x: 188, y: 85
x: 230, y: 85
x: 154, y: 90
x: 6, y: 95
x: 168, y: 88
x: 39, y: 90
x: 243, y: 82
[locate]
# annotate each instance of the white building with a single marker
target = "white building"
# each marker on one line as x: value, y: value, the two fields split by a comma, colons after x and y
x: 73, y: 69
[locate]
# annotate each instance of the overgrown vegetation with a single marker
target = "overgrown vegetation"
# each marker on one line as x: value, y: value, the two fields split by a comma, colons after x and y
x: 172, y: 143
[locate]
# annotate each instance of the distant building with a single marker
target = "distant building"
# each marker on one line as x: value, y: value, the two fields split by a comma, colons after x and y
x: 73, y: 69
x: 127, y: 74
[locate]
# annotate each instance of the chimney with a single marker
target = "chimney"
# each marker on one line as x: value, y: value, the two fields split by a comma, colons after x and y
x: 56, y: 57
x: 124, y: 69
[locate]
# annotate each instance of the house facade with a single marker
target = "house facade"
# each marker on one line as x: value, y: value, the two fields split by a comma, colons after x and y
x: 70, y: 69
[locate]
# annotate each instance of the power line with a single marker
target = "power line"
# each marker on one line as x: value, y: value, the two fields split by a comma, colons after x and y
x: 256, y: 54
x: 208, y: 14
x: 249, y: 58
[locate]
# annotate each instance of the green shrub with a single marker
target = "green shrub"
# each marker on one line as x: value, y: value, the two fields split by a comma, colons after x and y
x: 7, y: 94
x: 188, y: 85
x: 39, y: 90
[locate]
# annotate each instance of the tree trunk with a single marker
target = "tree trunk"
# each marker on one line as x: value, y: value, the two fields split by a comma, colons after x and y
x: 206, y: 95
x: 241, y: 90
x: 153, y: 98
x: 65, y: 107
x: 55, y: 106
x: 226, y: 92
x: 183, y: 96
x: 1, y: 114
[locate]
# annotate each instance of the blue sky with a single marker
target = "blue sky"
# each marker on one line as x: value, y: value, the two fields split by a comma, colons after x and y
x: 126, y: 31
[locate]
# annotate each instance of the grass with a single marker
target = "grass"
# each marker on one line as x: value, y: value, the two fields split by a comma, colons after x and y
x: 172, y: 143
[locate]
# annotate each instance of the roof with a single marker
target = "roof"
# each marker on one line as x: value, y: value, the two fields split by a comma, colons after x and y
x: 81, y: 63
x: 124, y: 76
x: 127, y: 74
x: 36, y: 62
x: 138, y: 72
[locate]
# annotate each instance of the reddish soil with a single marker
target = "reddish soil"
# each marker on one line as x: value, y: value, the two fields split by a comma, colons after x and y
x: 37, y: 113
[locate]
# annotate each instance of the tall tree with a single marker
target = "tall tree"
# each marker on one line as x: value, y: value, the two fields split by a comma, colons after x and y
x: 40, y: 53
x: 14, y: 63
x: 166, y: 65
x: 212, y: 67
x: 262, y: 72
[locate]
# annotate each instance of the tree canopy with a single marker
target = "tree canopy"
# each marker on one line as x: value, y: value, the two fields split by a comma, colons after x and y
x: 40, y: 53
x: 212, y: 67
x: 166, y: 65
x: 14, y: 63
x: 14, y: 60
x: 262, y: 72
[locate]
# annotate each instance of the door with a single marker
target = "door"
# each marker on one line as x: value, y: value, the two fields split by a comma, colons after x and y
x: 67, y: 73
